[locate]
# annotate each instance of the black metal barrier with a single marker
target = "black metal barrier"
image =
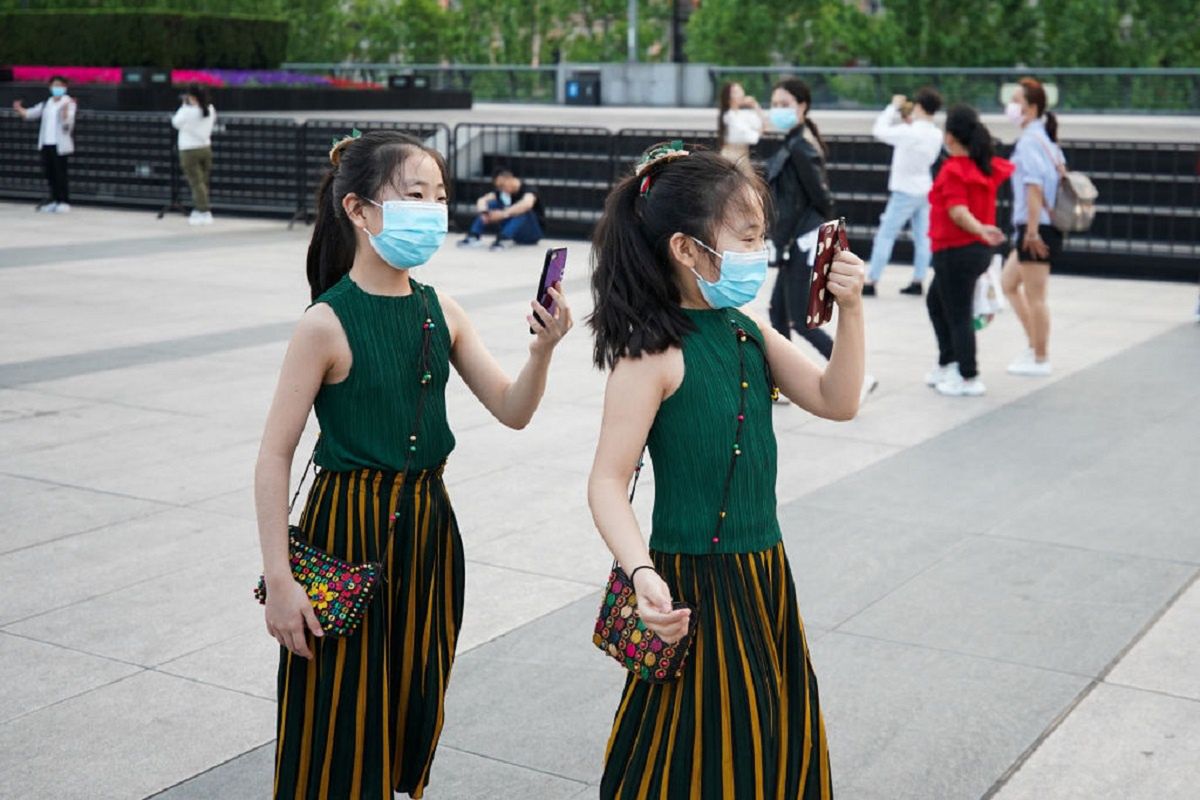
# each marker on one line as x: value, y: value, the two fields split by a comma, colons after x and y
x: 1147, y: 221
x: 262, y: 165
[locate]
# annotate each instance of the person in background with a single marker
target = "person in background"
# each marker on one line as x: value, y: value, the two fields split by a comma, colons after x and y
x: 963, y: 233
x: 915, y: 147
x: 802, y: 200
x: 55, y: 141
x: 1037, y: 244
x: 513, y: 209
x: 194, y: 120
x: 739, y: 125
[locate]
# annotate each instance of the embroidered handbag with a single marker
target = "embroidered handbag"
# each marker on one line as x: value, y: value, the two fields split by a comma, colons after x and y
x: 339, y: 591
x: 619, y: 630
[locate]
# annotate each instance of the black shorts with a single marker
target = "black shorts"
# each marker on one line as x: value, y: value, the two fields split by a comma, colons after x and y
x: 1051, y: 235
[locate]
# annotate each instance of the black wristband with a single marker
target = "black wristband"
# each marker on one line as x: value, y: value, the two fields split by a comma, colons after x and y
x: 637, y: 569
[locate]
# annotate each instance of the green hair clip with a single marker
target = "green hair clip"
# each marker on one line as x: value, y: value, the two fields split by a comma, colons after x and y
x: 662, y: 152
x: 335, y: 152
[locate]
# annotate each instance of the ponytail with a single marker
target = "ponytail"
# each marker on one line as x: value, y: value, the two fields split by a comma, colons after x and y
x: 962, y: 122
x: 634, y: 291
x: 812, y: 127
x: 1052, y: 126
x: 360, y: 166
x: 331, y: 250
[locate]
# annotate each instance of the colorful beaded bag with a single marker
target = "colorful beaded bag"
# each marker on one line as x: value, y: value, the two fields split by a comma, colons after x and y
x: 620, y: 631
x: 339, y: 591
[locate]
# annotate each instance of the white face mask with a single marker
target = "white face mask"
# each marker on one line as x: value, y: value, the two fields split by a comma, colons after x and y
x: 1014, y: 113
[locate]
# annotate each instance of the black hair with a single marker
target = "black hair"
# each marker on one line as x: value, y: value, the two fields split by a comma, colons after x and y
x: 203, y: 99
x: 929, y: 99
x: 799, y: 90
x: 962, y: 122
x: 361, y: 167
x: 59, y: 79
x: 635, y: 296
x: 502, y: 172
x: 1035, y: 95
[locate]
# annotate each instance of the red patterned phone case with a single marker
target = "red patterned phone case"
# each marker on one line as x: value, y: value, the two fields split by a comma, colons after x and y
x: 831, y: 240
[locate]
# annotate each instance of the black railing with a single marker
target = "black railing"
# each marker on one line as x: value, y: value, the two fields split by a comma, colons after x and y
x: 1147, y: 221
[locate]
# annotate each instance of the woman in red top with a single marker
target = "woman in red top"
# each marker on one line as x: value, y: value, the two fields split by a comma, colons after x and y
x: 962, y: 233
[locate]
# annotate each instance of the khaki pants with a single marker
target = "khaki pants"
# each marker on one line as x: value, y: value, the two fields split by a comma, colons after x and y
x: 197, y: 167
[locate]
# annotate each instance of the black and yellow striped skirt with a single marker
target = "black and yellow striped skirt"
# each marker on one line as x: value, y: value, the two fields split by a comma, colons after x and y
x: 363, y: 717
x: 743, y: 721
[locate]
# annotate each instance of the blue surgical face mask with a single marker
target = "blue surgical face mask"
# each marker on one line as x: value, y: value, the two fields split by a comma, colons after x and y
x: 742, y: 275
x: 784, y: 118
x: 58, y: 91
x: 412, y: 232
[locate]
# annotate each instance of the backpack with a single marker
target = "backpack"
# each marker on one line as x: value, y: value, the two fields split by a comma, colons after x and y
x: 1075, y: 204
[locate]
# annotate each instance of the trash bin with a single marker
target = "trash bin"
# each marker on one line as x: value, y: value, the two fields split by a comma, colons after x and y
x: 583, y: 89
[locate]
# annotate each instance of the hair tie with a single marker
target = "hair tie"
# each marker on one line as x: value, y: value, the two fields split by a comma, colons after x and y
x: 656, y: 154
x: 335, y: 153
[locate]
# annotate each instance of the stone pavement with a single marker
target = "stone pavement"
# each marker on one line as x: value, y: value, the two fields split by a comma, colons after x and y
x: 1000, y: 592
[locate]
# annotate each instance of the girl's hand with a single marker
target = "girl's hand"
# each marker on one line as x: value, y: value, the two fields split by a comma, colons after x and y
x: 992, y: 235
x: 846, y: 276
x: 654, y: 607
x: 1033, y: 244
x: 289, y: 613
x: 554, y: 327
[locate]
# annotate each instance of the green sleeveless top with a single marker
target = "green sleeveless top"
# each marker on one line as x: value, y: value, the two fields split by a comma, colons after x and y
x: 366, y: 420
x: 692, y: 441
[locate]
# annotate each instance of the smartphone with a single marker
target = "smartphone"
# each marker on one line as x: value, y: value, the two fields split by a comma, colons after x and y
x: 831, y: 240
x: 552, y: 272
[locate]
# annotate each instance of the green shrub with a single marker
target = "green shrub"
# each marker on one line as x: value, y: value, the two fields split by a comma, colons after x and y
x: 168, y: 40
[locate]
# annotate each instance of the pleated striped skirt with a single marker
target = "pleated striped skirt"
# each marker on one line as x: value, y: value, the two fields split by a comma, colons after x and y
x: 743, y: 721
x: 363, y: 717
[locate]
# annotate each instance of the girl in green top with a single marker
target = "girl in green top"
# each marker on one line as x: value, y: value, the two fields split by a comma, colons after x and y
x: 360, y: 716
x: 680, y: 246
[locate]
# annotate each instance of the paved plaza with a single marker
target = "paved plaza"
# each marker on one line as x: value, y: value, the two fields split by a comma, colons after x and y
x: 1000, y: 592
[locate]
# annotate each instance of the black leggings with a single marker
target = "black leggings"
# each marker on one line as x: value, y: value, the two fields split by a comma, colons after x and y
x: 950, y: 299
x: 789, y: 302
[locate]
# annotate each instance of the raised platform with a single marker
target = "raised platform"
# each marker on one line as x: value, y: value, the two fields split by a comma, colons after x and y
x: 124, y: 97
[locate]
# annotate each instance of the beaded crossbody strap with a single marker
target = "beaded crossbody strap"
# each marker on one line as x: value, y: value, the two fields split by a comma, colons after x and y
x: 426, y: 377
x: 722, y: 512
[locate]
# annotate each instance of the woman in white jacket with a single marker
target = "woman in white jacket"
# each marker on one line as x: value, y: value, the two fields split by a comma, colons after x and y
x: 55, y: 140
x: 194, y: 120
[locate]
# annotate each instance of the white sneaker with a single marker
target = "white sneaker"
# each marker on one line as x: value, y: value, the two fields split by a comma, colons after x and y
x: 956, y: 386
x: 46, y: 208
x: 940, y: 373
x: 1031, y: 369
x: 472, y: 242
x: 1022, y: 361
x: 62, y: 208
x: 870, y: 384
x: 206, y: 218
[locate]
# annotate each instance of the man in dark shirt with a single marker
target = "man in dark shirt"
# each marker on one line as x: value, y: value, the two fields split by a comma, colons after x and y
x: 513, y: 209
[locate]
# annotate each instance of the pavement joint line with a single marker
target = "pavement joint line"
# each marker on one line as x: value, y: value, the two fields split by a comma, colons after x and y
x: 506, y: 762
x: 1086, y: 692
x: 1144, y: 690
x: 102, y: 401
x: 62, y: 485
x: 123, y: 521
x: 976, y: 656
x: 597, y: 586
x: 199, y: 682
x: 4, y: 626
x: 88, y: 362
x: 460, y: 653
x: 74, y: 696
x: 229, y: 760
x: 124, y: 246
x: 1183, y: 562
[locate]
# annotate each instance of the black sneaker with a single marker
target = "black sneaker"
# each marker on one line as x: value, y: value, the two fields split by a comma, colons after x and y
x: 914, y: 289
x: 868, y: 290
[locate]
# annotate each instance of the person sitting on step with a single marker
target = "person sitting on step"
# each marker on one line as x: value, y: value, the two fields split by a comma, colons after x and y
x: 513, y: 209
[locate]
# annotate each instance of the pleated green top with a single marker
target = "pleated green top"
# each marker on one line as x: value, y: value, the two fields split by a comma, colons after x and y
x: 367, y: 419
x: 692, y: 441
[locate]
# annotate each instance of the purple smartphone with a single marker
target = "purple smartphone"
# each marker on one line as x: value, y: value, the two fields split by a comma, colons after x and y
x: 552, y: 272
